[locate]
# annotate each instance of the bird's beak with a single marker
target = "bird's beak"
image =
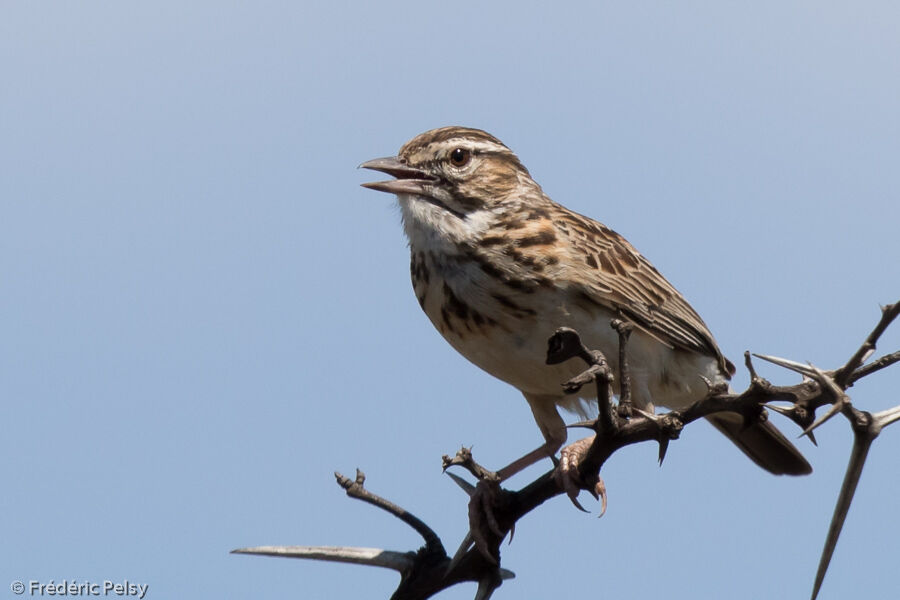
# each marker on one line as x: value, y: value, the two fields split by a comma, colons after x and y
x: 409, y: 180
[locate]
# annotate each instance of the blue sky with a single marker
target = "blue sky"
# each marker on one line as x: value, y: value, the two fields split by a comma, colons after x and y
x: 203, y: 315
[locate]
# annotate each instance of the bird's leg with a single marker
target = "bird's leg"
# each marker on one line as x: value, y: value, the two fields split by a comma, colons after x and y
x: 484, y: 530
x: 543, y: 407
x: 547, y: 450
x: 566, y: 344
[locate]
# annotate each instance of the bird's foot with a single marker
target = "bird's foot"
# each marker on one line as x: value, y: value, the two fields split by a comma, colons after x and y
x: 570, y: 479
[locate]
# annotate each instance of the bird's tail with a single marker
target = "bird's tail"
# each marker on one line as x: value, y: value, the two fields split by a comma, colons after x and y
x: 763, y: 443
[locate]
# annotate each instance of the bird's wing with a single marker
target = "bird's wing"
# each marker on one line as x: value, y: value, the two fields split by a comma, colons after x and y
x: 618, y: 277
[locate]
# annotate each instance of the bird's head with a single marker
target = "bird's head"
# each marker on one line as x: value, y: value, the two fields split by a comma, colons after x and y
x: 459, y: 170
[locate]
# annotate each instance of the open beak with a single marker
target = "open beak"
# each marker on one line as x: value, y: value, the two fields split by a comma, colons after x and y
x: 409, y: 180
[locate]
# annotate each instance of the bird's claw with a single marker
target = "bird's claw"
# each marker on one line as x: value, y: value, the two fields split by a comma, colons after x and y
x: 599, y: 493
x: 567, y: 475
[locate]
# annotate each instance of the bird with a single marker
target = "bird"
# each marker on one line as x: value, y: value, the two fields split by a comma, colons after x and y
x: 497, y: 266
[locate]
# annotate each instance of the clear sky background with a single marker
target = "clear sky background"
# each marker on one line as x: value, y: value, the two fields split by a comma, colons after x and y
x: 202, y: 314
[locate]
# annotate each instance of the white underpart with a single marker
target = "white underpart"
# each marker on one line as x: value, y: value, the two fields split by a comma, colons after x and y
x: 430, y: 227
x: 660, y: 375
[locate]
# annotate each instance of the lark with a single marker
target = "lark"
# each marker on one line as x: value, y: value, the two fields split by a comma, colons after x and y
x: 498, y: 266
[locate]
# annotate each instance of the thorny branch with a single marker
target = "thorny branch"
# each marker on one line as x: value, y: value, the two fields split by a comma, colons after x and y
x: 429, y: 570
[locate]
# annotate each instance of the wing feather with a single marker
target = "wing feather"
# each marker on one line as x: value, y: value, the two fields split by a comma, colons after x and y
x: 618, y: 277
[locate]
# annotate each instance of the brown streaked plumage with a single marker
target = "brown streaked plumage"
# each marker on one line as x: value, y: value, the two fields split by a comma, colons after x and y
x: 498, y: 266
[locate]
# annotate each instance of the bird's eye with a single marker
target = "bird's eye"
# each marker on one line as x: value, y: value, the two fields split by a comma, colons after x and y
x: 459, y: 157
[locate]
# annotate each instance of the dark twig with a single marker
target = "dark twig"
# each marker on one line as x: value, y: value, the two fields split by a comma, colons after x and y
x: 374, y: 557
x: 840, y: 401
x: 464, y: 485
x: 876, y: 365
x: 888, y: 314
x: 429, y: 570
x: 863, y: 436
x: 482, y: 500
x: 423, y: 573
x: 623, y: 328
x: 886, y: 417
x: 748, y: 362
x: 865, y: 430
x: 464, y: 459
x: 355, y: 489
x: 571, y: 464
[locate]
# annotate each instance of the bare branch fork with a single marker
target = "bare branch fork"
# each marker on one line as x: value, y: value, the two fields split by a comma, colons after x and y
x: 494, y: 510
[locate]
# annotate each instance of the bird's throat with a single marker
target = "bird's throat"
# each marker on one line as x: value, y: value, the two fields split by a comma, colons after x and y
x: 431, y: 225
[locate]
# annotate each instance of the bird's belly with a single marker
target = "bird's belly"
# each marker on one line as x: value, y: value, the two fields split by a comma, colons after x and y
x: 516, y: 356
x: 509, y: 346
x: 509, y: 341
